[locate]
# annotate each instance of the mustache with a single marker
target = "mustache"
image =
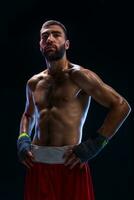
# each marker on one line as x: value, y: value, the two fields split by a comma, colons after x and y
x: 50, y: 46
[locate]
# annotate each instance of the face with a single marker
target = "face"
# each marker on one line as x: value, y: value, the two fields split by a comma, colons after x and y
x: 53, y: 43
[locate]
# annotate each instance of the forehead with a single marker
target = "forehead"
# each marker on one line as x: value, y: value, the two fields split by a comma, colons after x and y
x: 51, y: 28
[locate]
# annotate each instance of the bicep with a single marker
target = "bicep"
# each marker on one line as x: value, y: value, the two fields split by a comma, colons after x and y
x: 93, y: 85
x: 105, y: 95
x: 29, y: 106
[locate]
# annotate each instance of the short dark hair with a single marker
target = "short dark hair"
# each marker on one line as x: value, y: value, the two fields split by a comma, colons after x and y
x: 55, y: 22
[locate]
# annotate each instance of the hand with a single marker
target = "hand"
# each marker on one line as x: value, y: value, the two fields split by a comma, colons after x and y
x: 28, y: 161
x: 71, y: 159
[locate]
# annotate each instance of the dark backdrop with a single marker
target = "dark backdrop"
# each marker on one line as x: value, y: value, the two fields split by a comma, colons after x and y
x: 101, y: 39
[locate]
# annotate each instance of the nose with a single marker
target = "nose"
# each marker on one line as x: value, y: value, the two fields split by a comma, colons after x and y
x: 50, y: 38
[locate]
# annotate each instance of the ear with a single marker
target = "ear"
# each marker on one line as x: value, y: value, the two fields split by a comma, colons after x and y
x: 40, y: 45
x: 67, y: 44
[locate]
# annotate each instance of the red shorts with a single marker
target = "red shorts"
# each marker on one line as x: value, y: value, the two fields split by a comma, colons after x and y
x: 47, y: 181
x: 57, y: 182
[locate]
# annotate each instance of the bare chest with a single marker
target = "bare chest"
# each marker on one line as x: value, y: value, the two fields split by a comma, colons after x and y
x: 49, y: 93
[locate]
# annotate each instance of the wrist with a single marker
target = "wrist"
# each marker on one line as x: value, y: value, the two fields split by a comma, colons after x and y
x: 23, y: 134
x: 23, y: 145
x: 91, y: 147
x: 101, y: 140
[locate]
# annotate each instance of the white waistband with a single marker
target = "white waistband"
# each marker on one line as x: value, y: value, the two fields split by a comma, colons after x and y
x: 49, y: 154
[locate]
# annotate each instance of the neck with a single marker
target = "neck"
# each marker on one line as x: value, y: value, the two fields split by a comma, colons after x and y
x: 57, y: 66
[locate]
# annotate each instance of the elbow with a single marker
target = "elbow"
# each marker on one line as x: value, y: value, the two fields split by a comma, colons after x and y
x: 127, y: 107
x: 27, y: 115
x: 124, y: 107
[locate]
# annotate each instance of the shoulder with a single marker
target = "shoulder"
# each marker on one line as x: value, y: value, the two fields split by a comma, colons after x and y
x: 32, y: 82
x: 82, y: 73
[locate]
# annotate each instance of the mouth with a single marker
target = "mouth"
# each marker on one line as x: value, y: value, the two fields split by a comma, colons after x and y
x: 50, y: 48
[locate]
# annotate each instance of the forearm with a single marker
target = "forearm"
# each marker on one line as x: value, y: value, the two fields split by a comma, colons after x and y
x: 90, y: 148
x: 24, y: 139
x: 27, y: 123
x: 114, y: 119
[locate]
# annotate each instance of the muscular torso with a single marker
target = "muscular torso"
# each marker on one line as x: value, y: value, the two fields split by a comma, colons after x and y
x: 60, y: 110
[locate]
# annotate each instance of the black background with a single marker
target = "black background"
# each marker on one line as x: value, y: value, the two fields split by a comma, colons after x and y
x: 101, y: 36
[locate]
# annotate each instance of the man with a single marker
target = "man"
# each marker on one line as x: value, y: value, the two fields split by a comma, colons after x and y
x: 57, y: 102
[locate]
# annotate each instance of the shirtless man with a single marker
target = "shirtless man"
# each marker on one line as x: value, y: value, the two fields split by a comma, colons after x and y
x: 57, y: 102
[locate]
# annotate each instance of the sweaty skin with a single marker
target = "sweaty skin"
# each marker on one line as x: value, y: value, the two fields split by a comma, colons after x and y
x: 57, y: 99
x: 58, y: 104
x: 59, y: 108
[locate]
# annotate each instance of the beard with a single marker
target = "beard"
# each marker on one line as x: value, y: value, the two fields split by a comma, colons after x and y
x: 55, y: 54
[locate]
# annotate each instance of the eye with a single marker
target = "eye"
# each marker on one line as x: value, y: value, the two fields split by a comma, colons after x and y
x: 56, y: 34
x: 44, y: 36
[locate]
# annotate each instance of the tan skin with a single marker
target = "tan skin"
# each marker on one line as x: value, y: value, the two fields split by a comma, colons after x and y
x: 58, y: 100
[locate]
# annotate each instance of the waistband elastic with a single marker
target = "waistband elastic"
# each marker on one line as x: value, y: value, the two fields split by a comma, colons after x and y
x: 49, y: 154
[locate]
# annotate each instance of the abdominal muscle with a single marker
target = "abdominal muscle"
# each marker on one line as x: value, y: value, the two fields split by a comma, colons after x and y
x: 57, y: 127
